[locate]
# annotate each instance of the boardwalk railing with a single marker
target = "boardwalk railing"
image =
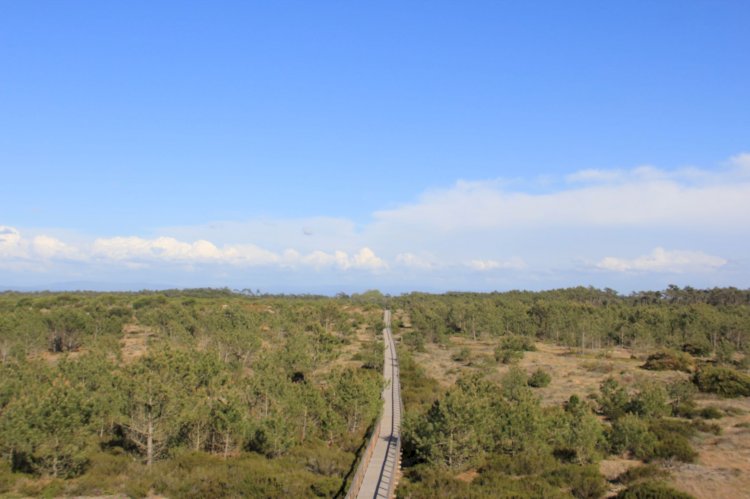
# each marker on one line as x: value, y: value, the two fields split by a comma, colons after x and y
x: 364, y: 461
x: 398, y: 408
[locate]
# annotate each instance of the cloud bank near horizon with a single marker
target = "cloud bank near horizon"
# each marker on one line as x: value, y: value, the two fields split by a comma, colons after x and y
x: 590, y: 225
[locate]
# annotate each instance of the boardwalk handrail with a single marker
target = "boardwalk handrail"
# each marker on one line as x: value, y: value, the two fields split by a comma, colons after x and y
x: 397, y: 387
x: 359, y: 475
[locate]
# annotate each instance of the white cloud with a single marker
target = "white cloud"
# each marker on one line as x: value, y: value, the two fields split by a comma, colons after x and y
x: 595, y: 175
x: 168, y: 249
x: 139, y: 253
x: 661, y: 260
x: 413, y: 261
x: 741, y: 164
x: 366, y: 259
x: 641, y: 197
x: 49, y: 248
x: 10, y: 242
x: 485, y: 265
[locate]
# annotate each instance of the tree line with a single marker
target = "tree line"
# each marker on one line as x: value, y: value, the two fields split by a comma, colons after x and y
x: 699, y: 321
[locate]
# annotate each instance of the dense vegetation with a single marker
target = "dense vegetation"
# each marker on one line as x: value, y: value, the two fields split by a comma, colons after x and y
x: 699, y: 322
x: 188, y: 394
x: 210, y: 393
x: 483, y: 438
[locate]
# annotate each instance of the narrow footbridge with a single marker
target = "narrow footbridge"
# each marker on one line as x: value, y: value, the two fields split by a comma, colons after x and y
x: 377, y: 474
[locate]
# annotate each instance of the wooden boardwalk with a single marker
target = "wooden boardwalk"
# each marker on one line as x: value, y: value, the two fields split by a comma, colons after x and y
x: 381, y: 472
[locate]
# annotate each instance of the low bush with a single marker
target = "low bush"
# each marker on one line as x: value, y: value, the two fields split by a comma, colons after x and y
x: 655, y: 439
x: 698, y: 348
x: 539, y: 378
x: 613, y: 399
x: 651, y: 400
x: 680, y: 427
x: 673, y: 440
x: 585, y: 482
x: 507, y: 356
x: 675, y: 446
x: 518, y: 343
x: 462, y: 355
x: 498, y: 486
x: 511, y: 348
x: 723, y: 381
x: 669, y: 360
x: 424, y: 481
x: 632, y: 434
x: 711, y: 412
x: 682, y: 394
x: 712, y: 428
x: 534, y: 460
x: 642, y: 473
x: 652, y: 490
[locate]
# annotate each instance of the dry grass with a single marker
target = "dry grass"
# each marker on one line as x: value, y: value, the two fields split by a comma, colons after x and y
x: 723, y: 466
x: 467, y: 476
x: 134, y: 342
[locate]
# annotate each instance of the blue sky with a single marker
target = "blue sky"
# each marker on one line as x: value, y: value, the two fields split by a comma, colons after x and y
x: 340, y: 146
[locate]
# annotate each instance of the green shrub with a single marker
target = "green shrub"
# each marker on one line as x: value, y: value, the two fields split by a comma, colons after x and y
x: 415, y: 340
x: 533, y: 460
x: 642, y: 473
x: 673, y: 440
x: 680, y: 427
x: 650, y: 401
x: 499, y: 486
x: 698, y: 347
x: 724, y: 352
x: 652, y: 490
x: 42, y: 488
x: 711, y: 412
x: 518, y: 343
x: 539, y: 378
x: 681, y: 394
x: 724, y: 381
x: 511, y: 348
x: 462, y: 355
x: 613, y: 399
x: 585, y: 482
x: 508, y: 356
x: 685, y: 410
x: 631, y: 433
x: 423, y: 481
x: 675, y: 446
x: 669, y: 360
x: 712, y: 428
